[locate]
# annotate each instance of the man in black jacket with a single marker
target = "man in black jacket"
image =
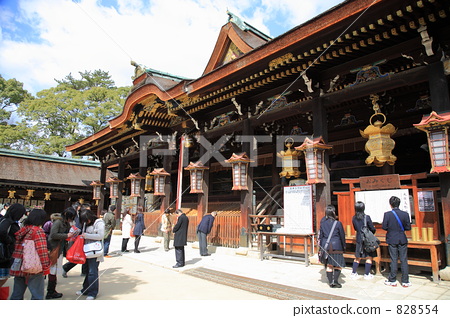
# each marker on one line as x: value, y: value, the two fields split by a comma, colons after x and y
x: 180, y: 239
x: 396, y: 222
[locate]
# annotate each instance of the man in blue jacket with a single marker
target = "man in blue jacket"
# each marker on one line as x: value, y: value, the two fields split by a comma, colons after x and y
x: 203, y: 229
x: 396, y: 222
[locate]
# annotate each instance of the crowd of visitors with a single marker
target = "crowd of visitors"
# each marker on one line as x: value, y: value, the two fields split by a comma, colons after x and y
x: 34, y: 245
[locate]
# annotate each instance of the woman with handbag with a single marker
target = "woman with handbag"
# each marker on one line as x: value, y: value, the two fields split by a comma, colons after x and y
x: 59, y: 232
x: 332, y: 246
x: 30, y: 250
x: 127, y: 224
x: 8, y: 227
x: 93, y: 233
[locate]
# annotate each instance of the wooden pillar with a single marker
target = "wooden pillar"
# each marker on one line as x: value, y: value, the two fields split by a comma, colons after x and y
x: 120, y: 176
x: 103, y: 199
x: 246, y: 195
x: 440, y: 102
x: 166, y: 200
x: 203, y: 198
x: 322, y: 190
x: 141, y: 200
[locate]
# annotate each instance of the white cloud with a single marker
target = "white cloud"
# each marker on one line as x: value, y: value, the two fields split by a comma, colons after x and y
x: 174, y: 36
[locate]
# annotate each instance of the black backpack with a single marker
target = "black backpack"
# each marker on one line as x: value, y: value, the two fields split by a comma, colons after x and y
x: 370, y: 242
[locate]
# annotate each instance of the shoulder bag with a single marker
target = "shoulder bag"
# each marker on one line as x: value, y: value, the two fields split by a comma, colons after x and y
x: 31, y: 263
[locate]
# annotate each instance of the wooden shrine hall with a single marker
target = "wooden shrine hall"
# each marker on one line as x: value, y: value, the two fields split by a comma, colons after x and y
x: 352, y: 103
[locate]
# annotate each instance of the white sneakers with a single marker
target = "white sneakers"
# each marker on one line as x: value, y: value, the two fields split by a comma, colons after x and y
x: 388, y: 283
x: 354, y: 276
x: 406, y: 285
x: 368, y: 276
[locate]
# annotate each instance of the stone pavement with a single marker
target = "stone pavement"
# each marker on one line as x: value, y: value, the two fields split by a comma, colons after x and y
x: 149, y: 276
x: 285, y: 272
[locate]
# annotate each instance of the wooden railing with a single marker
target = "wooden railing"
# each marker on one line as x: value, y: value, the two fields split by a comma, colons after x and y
x: 225, y: 231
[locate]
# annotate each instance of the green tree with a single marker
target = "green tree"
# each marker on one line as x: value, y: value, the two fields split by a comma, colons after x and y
x: 71, y: 111
x: 12, y: 94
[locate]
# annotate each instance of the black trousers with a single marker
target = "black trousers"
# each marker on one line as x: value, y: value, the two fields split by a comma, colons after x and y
x: 179, y: 255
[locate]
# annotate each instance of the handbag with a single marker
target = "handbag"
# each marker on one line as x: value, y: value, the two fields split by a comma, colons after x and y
x: 94, y: 249
x: 75, y: 254
x: 31, y: 263
x: 131, y: 231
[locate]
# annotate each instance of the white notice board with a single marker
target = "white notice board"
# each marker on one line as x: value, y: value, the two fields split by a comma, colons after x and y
x: 377, y: 202
x: 298, y: 209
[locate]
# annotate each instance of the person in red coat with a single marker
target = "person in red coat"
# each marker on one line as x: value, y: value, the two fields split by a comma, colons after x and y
x: 32, y: 230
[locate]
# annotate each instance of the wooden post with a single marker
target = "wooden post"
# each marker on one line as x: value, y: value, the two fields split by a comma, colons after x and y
x: 322, y: 191
x: 143, y: 173
x: 202, y: 203
x: 440, y: 102
x: 246, y: 195
x: 120, y: 176
x: 103, y: 200
x: 166, y: 200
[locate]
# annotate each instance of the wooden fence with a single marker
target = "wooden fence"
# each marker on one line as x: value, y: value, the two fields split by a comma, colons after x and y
x: 225, y: 231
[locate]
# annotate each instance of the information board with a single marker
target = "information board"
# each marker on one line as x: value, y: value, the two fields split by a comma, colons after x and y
x: 298, y: 209
x: 377, y: 202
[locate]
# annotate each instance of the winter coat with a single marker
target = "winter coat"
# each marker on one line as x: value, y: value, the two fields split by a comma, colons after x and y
x: 206, y: 224
x: 127, y: 223
x: 35, y: 233
x: 58, y: 234
x: 8, y: 238
x: 139, y: 225
x: 110, y: 223
x: 166, y: 223
x: 181, y: 229
x: 95, y: 232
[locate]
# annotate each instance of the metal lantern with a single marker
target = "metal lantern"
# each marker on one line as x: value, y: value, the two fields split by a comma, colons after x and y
x: 160, y: 180
x: 148, y: 181
x: 436, y: 126
x: 380, y: 145
x: 11, y: 194
x: 239, y: 168
x: 314, y: 158
x: 289, y: 161
x: 113, y: 187
x: 30, y: 194
x: 135, y: 180
x: 196, y: 172
x: 96, y: 193
x: 47, y: 196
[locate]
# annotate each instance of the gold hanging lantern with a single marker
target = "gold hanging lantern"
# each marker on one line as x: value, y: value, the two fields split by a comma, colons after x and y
x: 380, y: 145
x: 30, y: 194
x: 437, y: 128
x: 314, y: 151
x: 135, y: 180
x: 239, y: 168
x: 290, y: 162
x: 96, y: 192
x: 196, y: 173
x: 113, y: 187
x: 81, y: 200
x: 47, y: 196
x: 160, y: 180
x: 148, y: 182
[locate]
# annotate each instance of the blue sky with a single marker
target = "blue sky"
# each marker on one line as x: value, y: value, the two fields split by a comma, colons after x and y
x: 43, y: 40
